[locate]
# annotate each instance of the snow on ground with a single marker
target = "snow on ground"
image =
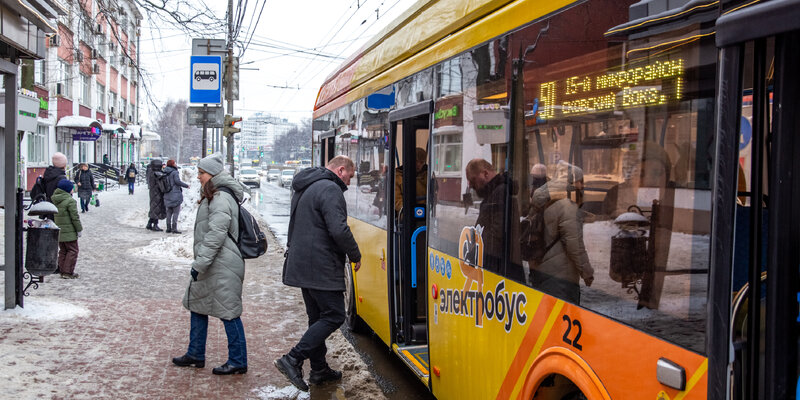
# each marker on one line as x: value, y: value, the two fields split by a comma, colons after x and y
x: 43, y: 309
x: 287, y: 392
x: 119, y: 324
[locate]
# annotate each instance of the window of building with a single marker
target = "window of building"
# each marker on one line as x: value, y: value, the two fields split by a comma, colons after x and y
x: 40, y: 72
x: 37, y: 145
x: 101, y: 97
x: 85, y: 99
x: 65, y: 79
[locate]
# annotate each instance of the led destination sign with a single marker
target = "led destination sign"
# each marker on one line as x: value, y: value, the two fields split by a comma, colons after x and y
x: 649, y: 85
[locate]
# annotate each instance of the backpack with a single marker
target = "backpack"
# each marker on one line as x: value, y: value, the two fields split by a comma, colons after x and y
x: 163, y: 182
x: 533, y: 246
x: 252, y: 242
x: 38, y: 192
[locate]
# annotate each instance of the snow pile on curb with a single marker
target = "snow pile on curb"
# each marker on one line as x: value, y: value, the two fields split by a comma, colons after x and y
x: 175, y: 248
x: 272, y: 393
x: 44, y: 310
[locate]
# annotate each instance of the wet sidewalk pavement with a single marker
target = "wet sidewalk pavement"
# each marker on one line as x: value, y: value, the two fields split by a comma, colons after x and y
x: 113, y: 332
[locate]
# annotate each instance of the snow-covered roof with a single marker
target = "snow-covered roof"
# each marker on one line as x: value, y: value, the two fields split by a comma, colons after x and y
x: 147, y: 135
x: 135, y: 130
x: 77, y: 121
x: 113, y: 128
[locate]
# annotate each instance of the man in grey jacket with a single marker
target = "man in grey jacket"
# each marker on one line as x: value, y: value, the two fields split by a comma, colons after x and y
x: 315, y: 262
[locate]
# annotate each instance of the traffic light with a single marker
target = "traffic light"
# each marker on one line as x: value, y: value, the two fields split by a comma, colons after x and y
x: 229, y: 128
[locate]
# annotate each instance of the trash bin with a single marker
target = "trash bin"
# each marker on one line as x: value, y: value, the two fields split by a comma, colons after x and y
x: 41, y: 255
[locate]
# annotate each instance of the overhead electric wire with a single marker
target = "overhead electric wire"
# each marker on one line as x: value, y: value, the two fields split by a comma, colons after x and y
x: 253, y: 28
x: 330, y: 39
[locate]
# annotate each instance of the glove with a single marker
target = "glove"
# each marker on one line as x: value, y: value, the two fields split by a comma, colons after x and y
x: 194, y: 274
x: 79, y: 234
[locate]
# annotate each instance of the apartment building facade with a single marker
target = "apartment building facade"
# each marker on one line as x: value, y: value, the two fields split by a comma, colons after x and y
x: 88, y: 88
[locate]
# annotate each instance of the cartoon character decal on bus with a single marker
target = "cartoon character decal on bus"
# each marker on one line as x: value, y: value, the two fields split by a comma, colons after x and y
x: 470, y: 256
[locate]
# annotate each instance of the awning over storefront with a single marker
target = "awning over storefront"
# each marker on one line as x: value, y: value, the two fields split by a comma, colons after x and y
x: 113, y: 128
x: 83, y: 128
x: 151, y: 136
x: 133, y: 132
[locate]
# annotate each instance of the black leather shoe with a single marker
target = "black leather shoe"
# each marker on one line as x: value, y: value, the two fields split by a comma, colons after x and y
x: 227, y: 369
x: 169, y: 230
x: 156, y: 228
x: 325, y: 375
x: 176, y: 232
x: 188, y: 361
x: 292, y: 370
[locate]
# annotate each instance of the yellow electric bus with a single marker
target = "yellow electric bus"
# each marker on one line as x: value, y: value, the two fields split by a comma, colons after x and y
x: 577, y: 199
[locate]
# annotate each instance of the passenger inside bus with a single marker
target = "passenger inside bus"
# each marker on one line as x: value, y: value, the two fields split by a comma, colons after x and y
x: 421, y: 157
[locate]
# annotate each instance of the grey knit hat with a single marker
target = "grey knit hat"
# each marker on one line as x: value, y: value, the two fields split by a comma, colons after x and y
x: 212, y: 164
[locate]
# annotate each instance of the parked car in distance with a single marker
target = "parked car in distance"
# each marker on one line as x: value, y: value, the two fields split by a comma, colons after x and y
x: 286, y: 177
x: 274, y: 174
x: 249, y: 176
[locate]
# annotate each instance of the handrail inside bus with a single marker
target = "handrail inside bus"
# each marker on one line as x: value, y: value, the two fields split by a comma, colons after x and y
x: 414, y: 254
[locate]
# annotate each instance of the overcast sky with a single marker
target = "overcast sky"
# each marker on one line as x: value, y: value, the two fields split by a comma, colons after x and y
x: 335, y: 28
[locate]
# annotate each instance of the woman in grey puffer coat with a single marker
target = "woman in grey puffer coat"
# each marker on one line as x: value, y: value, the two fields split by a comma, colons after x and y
x: 174, y: 198
x: 215, y: 288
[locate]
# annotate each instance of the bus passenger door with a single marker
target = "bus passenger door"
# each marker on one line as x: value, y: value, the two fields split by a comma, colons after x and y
x: 758, y: 195
x: 410, y: 136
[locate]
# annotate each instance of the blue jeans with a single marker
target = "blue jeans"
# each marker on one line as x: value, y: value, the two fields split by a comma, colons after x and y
x: 130, y: 186
x: 237, y: 347
x: 85, y: 203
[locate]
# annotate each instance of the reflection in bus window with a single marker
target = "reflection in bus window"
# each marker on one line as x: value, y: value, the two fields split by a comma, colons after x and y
x: 469, y: 123
x: 631, y: 117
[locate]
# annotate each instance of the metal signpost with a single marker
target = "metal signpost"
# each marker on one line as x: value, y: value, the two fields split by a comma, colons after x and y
x: 206, y: 75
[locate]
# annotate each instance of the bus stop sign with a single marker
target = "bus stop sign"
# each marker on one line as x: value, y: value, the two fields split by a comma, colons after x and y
x: 206, y: 73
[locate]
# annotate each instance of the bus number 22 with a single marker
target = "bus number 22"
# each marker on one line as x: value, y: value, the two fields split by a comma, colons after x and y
x: 570, y: 324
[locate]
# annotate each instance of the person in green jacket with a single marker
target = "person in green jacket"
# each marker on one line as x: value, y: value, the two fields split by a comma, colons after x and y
x: 69, y: 222
x: 215, y: 288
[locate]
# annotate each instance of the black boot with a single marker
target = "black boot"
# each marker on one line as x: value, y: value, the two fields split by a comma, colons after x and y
x: 169, y: 227
x: 149, y: 226
x: 325, y: 375
x: 292, y: 369
x: 156, y: 228
x: 188, y: 361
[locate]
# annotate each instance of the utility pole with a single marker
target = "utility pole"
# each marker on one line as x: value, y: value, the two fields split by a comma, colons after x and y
x: 229, y: 75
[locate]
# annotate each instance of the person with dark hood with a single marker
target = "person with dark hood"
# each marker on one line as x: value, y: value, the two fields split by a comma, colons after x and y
x: 157, y: 208
x: 173, y: 198
x: 85, y: 182
x: 492, y: 188
x: 315, y: 262
x: 215, y: 288
x: 54, y: 174
x: 130, y: 176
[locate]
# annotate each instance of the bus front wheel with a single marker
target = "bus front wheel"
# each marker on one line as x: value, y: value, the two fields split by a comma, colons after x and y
x: 353, y: 322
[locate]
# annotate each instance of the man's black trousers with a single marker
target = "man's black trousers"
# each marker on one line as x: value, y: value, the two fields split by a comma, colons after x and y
x: 326, y: 314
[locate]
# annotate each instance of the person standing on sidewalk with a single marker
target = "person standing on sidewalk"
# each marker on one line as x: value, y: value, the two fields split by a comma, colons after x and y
x: 54, y: 174
x: 215, y: 288
x: 70, y: 226
x: 174, y: 198
x: 130, y: 176
x: 157, y: 209
x: 85, y: 182
x: 317, y: 264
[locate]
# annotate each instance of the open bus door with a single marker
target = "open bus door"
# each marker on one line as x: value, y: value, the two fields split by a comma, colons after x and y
x: 755, y: 251
x: 407, y: 277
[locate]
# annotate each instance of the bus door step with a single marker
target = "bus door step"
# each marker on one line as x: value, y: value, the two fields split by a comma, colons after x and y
x: 416, y: 358
x: 419, y: 332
